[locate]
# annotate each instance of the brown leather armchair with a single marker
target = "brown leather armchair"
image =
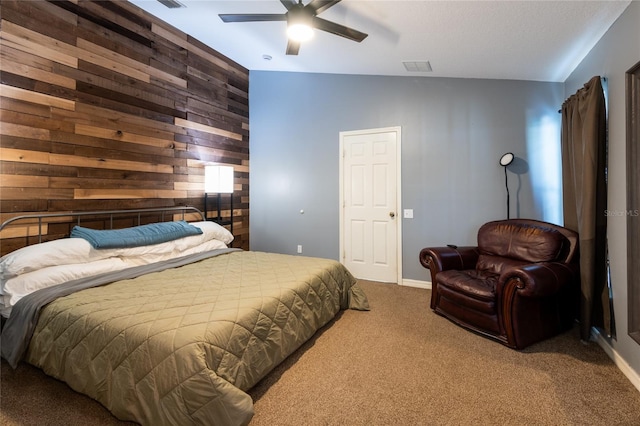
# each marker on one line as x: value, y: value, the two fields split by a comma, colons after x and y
x: 519, y: 285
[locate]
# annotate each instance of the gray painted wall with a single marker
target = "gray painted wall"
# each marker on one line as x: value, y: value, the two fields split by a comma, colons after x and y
x: 453, y: 133
x: 615, y: 53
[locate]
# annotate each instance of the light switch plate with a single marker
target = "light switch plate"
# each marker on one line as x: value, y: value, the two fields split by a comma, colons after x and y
x: 408, y: 213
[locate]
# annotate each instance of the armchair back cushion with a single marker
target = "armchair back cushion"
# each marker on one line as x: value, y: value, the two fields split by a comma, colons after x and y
x: 505, y: 244
x: 497, y: 264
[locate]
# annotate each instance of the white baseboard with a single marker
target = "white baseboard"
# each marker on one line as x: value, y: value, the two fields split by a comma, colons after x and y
x: 416, y: 283
x: 626, y: 369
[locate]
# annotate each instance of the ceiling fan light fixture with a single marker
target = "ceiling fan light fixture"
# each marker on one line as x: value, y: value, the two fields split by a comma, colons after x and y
x: 302, y: 21
x: 299, y: 32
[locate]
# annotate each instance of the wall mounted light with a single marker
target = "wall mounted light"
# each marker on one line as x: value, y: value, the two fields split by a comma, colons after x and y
x: 218, y: 180
x: 505, y: 160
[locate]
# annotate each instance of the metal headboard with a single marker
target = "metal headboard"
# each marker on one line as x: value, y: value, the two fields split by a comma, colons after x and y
x: 103, y: 213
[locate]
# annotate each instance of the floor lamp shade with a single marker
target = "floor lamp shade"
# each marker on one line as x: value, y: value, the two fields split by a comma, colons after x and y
x: 218, y: 179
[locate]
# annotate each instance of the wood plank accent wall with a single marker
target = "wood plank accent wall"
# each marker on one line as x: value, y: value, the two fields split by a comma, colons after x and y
x: 103, y: 106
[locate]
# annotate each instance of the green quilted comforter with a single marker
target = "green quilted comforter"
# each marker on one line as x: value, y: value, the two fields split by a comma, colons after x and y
x: 180, y: 346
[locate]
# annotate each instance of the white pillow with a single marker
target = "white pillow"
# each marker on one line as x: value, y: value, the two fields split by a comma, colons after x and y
x: 206, y: 246
x: 68, y: 251
x: 210, y: 232
x: 152, y: 250
x: 214, y: 231
x: 17, y: 287
x: 145, y: 259
x: 50, y: 253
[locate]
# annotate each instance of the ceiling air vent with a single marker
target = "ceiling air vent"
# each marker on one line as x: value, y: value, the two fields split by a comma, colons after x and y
x: 172, y: 4
x: 417, y: 66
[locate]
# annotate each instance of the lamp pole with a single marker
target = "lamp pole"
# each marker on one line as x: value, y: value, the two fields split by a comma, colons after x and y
x: 505, y: 160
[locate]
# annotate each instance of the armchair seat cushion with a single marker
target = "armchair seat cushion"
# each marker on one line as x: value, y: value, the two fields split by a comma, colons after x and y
x: 471, y: 283
x: 469, y: 289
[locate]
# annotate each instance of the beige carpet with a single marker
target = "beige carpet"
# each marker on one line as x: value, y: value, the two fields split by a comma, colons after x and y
x: 398, y: 364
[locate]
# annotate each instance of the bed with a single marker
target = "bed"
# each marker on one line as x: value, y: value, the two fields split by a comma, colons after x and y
x: 169, y: 331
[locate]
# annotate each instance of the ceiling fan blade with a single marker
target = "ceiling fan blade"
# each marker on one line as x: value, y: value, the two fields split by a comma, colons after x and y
x: 339, y: 30
x: 288, y: 3
x: 293, y: 47
x: 319, y: 6
x: 252, y: 17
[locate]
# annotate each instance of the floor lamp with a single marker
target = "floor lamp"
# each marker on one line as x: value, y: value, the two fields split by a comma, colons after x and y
x: 505, y: 160
x: 218, y: 180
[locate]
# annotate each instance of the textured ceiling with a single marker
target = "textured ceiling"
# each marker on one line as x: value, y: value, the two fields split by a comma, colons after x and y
x: 516, y: 40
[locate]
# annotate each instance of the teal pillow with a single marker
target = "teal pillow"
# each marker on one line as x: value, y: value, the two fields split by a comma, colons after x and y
x: 143, y: 235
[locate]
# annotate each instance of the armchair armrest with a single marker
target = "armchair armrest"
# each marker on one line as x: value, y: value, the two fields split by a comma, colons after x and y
x: 443, y: 258
x: 537, y: 300
x: 538, y: 279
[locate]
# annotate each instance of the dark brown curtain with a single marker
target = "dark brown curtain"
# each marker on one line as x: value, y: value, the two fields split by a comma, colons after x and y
x: 584, y: 184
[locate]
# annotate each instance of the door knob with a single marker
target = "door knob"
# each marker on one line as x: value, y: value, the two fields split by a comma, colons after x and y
x: 392, y: 215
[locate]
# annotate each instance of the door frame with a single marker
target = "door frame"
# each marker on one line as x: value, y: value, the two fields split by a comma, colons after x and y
x: 399, y: 215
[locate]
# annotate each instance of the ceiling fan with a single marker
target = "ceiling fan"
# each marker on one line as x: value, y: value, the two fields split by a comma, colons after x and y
x: 300, y: 15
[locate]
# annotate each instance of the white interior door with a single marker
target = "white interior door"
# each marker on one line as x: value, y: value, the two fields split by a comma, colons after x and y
x: 370, y: 221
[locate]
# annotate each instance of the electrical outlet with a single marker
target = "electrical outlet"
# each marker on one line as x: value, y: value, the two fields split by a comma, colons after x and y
x: 299, y: 248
